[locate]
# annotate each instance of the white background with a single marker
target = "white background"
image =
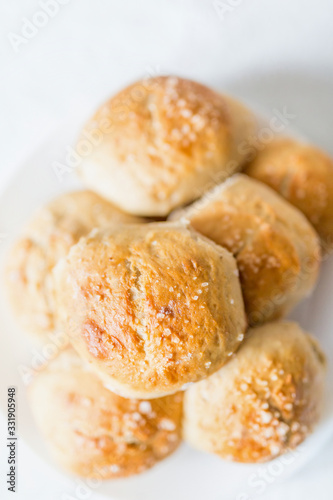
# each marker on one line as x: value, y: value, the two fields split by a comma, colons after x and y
x: 274, y: 54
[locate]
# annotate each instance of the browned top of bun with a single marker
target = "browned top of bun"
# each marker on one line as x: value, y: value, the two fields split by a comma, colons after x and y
x: 265, y: 401
x: 162, y: 142
x: 276, y: 248
x: 304, y: 176
x: 152, y: 307
x: 95, y: 433
x: 47, y: 238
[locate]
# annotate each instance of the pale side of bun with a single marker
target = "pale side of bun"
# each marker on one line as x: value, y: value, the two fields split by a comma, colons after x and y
x: 160, y: 143
x: 276, y: 248
x: 151, y: 307
x: 304, y: 176
x: 94, y: 433
x: 47, y: 238
x: 264, y: 402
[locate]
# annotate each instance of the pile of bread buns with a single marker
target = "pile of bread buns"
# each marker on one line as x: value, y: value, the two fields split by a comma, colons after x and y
x: 170, y: 276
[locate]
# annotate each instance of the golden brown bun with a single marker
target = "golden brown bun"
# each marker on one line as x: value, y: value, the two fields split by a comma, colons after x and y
x: 304, y: 176
x: 160, y: 143
x: 152, y: 307
x: 47, y: 238
x: 264, y: 402
x: 277, y: 250
x: 94, y: 433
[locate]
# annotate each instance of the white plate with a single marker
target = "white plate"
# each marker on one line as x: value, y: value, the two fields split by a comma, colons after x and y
x: 186, y: 474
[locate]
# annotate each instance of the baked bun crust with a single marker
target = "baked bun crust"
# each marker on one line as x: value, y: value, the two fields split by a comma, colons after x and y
x: 264, y: 402
x: 276, y: 248
x: 160, y: 143
x: 46, y: 239
x: 152, y: 307
x: 304, y: 176
x: 94, y: 433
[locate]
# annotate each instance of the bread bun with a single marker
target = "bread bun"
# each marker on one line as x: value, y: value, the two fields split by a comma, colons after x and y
x: 304, y: 176
x: 277, y: 250
x: 47, y: 238
x: 160, y: 143
x: 94, y: 433
x: 152, y: 307
x: 264, y: 402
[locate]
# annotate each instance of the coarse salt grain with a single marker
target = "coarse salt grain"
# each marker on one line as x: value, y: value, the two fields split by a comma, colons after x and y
x: 167, y: 424
x: 266, y: 417
x: 282, y: 429
x: 114, y: 468
x: 186, y: 113
x: 145, y: 407
x: 269, y: 432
